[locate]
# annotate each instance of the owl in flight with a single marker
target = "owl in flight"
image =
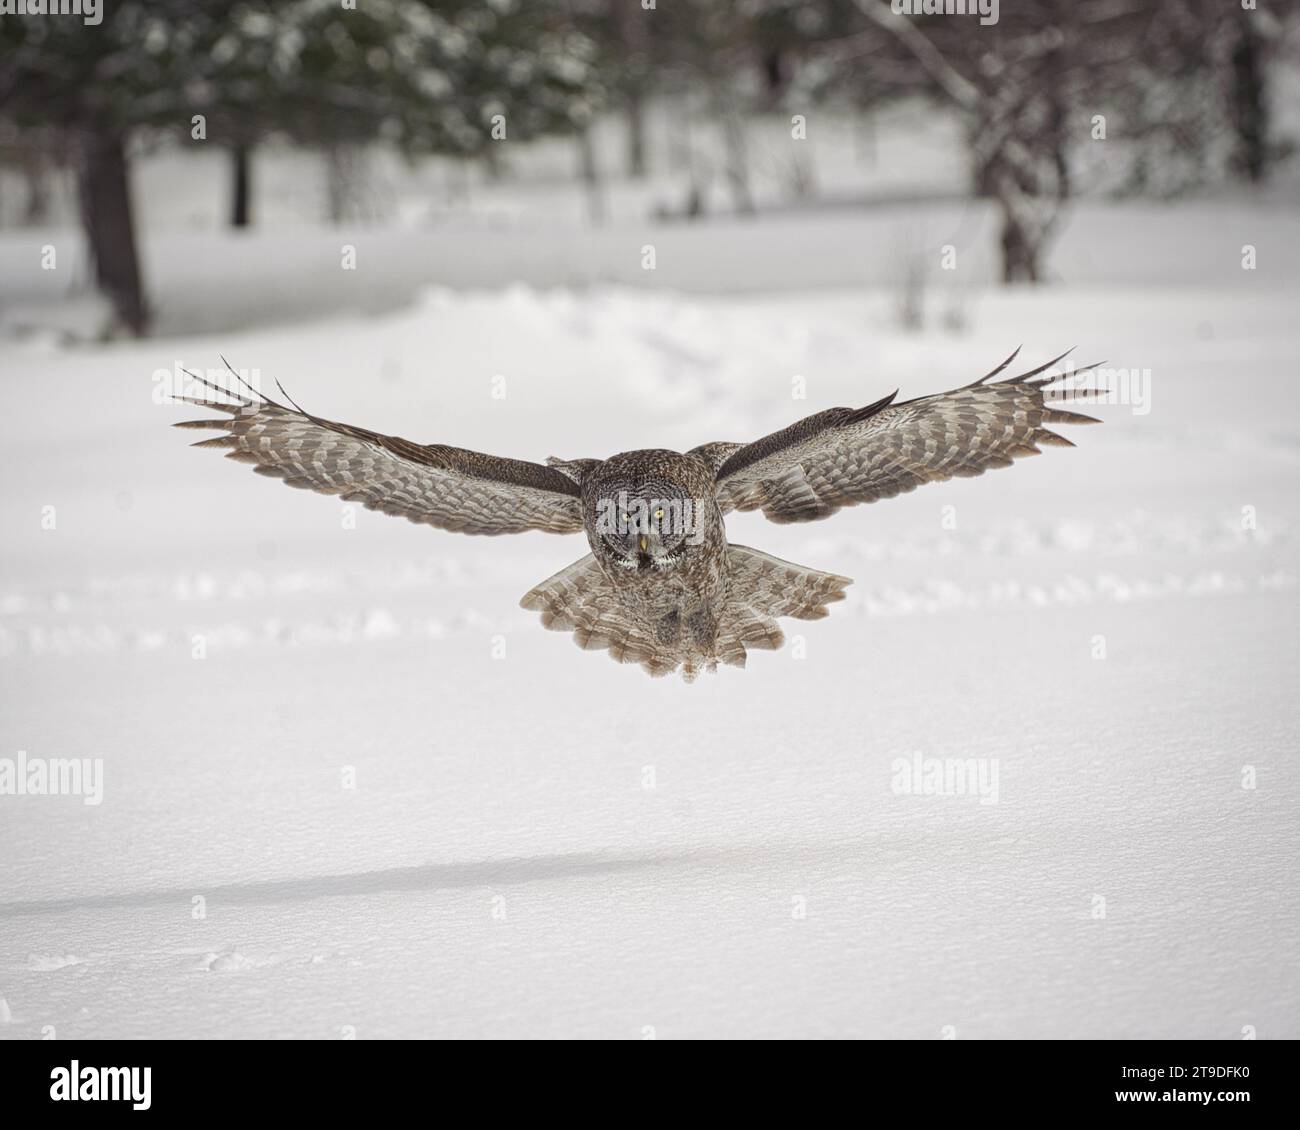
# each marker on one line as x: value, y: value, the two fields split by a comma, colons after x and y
x: 662, y: 586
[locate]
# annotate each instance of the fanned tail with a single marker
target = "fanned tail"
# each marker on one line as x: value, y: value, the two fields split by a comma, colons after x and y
x: 760, y: 589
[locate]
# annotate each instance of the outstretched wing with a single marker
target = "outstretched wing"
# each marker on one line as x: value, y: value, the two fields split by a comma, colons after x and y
x: 846, y: 456
x: 446, y: 487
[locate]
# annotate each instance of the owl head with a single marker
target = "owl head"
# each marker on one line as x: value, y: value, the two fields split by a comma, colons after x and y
x: 642, y: 523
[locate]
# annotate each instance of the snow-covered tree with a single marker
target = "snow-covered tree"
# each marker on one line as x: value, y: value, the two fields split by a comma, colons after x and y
x: 452, y: 76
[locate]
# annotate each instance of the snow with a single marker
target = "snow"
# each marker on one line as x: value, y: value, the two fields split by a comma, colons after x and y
x: 351, y: 788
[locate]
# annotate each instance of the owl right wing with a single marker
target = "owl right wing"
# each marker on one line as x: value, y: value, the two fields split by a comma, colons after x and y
x: 447, y: 487
x: 847, y: 456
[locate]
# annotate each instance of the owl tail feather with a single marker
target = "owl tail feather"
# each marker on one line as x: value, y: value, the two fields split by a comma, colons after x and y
x: 760, y: 588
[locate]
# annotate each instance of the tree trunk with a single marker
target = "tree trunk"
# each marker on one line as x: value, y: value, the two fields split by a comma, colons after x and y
x: 1031, y: 190
x: 1028, y: 216
x: 775, y: 73
x: 590, y: 177
x: 344, y: 183
x: 635, y: 112
x: 631, y: 35
x: 240, y: 189
x: 736, y: 158
x: 36, y: 208
x: 1249, y: 104
x: 1019, y: 252
x: 106, y: 219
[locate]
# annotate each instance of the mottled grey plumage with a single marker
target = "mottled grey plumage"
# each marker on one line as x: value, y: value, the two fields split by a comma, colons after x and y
x: 662, y: 586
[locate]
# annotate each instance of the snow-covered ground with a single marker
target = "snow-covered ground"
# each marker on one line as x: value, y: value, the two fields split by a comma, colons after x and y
x: 350, y: 787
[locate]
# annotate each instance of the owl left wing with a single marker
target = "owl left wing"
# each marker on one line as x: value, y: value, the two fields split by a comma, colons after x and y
x: 847, y: 456
x: 447, y: 487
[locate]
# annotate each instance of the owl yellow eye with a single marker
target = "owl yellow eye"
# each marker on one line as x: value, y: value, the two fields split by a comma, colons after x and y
x: 624, y: 517
x: 659, y: 514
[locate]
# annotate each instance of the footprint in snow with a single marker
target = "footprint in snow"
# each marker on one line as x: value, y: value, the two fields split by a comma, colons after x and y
x: 225, y: 962
x: 48, y: 963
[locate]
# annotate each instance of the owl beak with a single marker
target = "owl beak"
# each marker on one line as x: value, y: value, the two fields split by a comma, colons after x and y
x: 644, y: 543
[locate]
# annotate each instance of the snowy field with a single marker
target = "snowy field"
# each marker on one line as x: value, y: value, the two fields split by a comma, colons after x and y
x: 351, y: 788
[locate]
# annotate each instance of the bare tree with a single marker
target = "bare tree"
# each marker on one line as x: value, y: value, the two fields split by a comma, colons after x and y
x: 1030, y: 87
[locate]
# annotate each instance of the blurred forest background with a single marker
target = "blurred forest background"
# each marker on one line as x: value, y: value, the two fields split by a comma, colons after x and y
x: 631, y: 114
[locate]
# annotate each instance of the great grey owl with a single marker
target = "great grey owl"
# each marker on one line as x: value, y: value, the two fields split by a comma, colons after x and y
x: 662, y: 586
